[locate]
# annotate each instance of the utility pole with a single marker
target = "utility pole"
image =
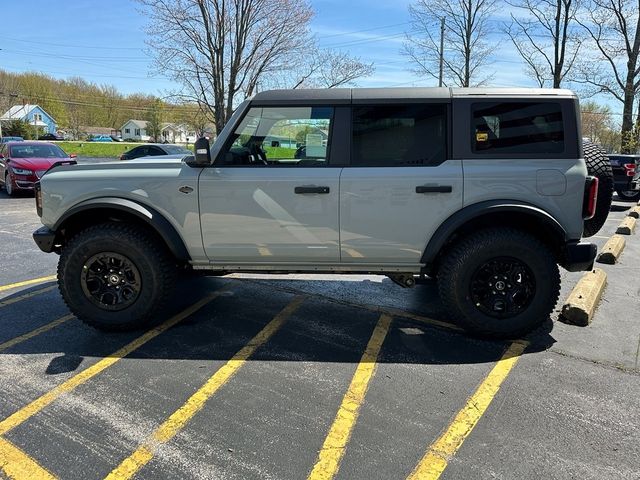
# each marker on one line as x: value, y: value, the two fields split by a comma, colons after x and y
x: 441, y: 51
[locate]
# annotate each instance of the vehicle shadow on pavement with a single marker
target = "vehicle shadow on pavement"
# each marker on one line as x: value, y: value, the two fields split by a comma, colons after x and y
x: 321, y: 330
x: 620, y: 208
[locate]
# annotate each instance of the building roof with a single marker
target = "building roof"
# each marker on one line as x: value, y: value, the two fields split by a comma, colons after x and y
x: 97, y: 130
x: 19, y: 112
x: 137, y: 123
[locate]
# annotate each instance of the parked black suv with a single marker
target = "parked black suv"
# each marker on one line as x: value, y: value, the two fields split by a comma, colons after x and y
x: 624, y: 168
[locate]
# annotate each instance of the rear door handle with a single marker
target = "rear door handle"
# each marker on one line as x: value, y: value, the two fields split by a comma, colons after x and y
x: 434, y: 189
x: 311, y: 189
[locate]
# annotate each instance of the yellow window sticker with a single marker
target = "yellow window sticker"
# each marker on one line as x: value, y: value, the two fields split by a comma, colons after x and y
x: 482, y: 136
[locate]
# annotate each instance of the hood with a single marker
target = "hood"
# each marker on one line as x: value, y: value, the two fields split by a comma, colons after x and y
x: 35, y: 163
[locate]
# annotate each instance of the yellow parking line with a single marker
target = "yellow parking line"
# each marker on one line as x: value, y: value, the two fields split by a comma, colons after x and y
x: 37, y: 405
x: 17, y: 465
x: 9, y: 301
x: 435, y: 460
x: 179, y: 418
x: 33, y: 333
x: 353, y: 252
x: 27, y: 282
x: 335, y: 444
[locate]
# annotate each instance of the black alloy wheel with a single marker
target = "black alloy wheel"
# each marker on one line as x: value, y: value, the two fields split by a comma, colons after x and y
x: 502, y: 287
x: 111, y: 281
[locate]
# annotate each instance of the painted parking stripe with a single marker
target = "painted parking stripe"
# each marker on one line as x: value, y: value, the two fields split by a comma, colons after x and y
x: 176, y: 422
x: 335, y: 444
x: 9, y: 301
x: 17, y: 465
x: 37, y: 405
x: 27, y: 282
x: 33, y: 333
x: 440, y: 452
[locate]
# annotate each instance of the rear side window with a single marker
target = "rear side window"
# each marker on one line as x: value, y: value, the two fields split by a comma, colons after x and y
x: 399, y: 135
x: 517, y: 128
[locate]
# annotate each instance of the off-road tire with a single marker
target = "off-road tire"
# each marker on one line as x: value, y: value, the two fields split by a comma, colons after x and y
x: 598, y: 165
x: 149, y: 256
x: 628, y: 198
x: 466, y: 257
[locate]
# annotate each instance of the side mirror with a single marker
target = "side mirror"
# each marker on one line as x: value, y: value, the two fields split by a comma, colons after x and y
x: 73, y: 155
x: 202, y: 153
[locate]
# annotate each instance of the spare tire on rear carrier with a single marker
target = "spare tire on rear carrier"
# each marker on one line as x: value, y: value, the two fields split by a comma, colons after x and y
x: 598, y: 165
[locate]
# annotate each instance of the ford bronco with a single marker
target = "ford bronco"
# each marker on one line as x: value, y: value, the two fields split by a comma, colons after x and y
x: 485, y: 190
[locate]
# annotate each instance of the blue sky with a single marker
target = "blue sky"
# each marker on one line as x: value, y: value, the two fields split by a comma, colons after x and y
x: 103, y: 42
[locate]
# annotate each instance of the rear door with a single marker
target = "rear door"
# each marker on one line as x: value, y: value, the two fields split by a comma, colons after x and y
x: 400, y: 185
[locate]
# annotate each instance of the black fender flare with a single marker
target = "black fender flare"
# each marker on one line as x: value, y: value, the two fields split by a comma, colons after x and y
x: 489, y: 207
x: 147, y: 214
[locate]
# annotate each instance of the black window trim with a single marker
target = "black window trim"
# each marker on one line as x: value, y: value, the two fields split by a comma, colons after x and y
x: 448, y: 132
x: 328, y: 163
x: 462, y: 121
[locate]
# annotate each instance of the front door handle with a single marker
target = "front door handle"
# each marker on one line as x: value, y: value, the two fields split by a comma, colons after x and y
x: 434, y: 189
x: 311, y: 189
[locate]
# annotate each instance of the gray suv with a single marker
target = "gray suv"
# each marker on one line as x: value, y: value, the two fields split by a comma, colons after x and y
x: 485, y: 190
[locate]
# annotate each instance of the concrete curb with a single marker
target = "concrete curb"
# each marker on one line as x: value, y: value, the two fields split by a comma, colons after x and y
x: 584, y: 298
x: 634, y: 212
x: 627, y: 226
x: 611, y: 250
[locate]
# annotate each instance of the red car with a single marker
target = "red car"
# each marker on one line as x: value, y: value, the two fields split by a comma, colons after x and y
x: 23, y: 163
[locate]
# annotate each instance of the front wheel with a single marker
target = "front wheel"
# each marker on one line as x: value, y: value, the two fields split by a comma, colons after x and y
x: 628, y: 195
x: 8, y: 185
x: 499, y: 283
x: 115, y: 276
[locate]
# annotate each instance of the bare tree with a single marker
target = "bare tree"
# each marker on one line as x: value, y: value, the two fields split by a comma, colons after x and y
x: 613, y: 28
x: 466, y: 50
x: 222, y: 51
x: 327, y: 69
x: 547, y: 38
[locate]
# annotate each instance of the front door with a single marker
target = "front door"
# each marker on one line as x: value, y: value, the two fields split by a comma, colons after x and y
x: 271, y: 196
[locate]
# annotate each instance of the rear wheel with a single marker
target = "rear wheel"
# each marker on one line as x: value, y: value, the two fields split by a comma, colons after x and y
x: 499, y: 283
x: 628, y: 195
x: 115, y: 276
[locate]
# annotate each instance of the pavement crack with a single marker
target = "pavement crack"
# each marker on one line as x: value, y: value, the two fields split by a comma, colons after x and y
x: 620, y: 368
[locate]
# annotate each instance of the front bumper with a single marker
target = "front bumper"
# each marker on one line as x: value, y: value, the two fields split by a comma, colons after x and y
x: 579, y: 257
x: 45, y: 239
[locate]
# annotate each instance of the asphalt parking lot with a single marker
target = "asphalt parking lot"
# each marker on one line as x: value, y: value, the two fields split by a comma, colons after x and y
x: 275, y: 377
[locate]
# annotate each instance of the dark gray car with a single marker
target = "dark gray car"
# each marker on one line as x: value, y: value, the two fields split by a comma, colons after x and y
x: 153, y: 150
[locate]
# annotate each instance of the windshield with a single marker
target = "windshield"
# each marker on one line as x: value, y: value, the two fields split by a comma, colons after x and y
x: 173, y: 149
x: 37, y: 151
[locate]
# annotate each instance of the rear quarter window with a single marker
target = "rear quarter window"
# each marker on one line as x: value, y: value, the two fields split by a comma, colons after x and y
x: 517, y: 128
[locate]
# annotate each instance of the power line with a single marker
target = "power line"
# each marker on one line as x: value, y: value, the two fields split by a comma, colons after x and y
x: 66, y: 45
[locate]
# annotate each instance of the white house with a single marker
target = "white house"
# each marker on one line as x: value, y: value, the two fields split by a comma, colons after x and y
x: 136, y: 129
x: 169, y: 133
x: 172, y: 133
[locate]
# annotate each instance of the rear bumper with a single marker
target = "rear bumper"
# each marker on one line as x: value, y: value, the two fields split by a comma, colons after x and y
x: 45, y: 239
x: 579, y: 257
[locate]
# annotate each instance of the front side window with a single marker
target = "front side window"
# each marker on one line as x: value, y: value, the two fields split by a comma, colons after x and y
x: 517, y: 128
x: 281, y: 136
x: 137, y: 131
x: 399, y: 135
